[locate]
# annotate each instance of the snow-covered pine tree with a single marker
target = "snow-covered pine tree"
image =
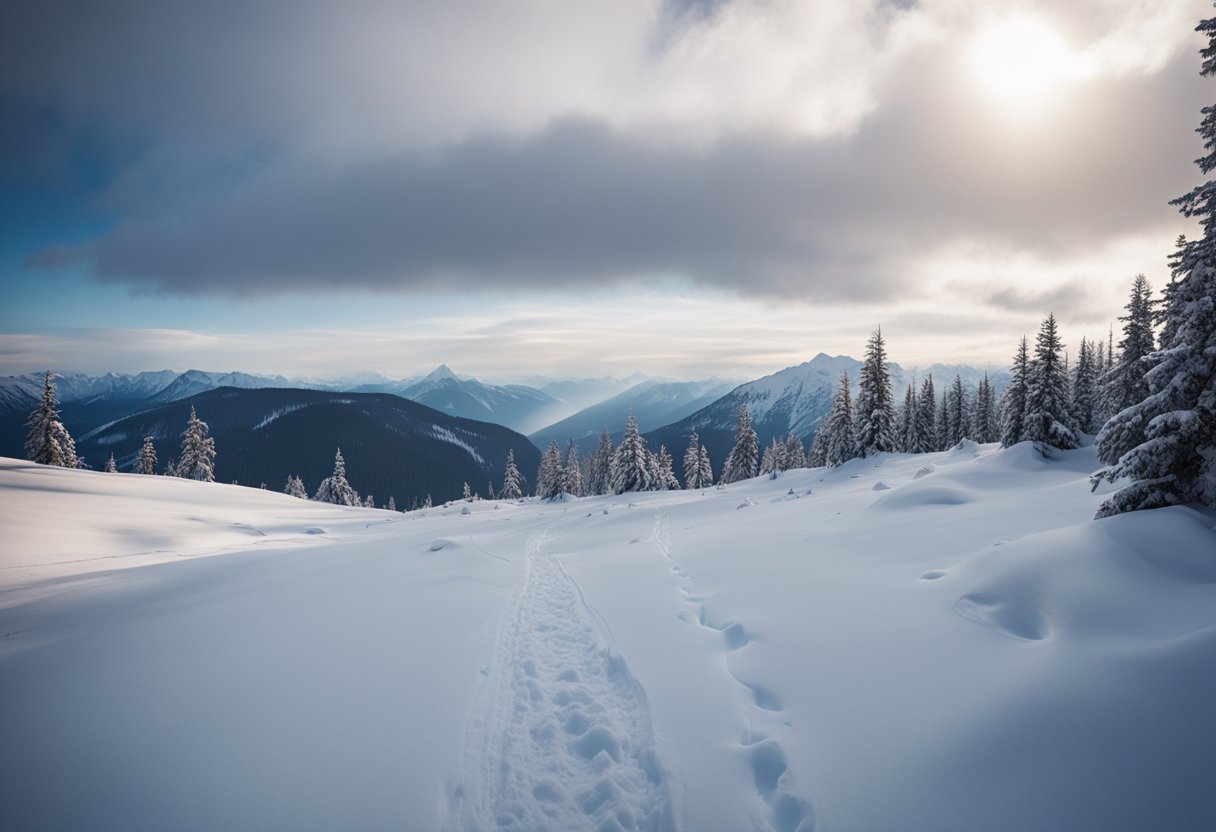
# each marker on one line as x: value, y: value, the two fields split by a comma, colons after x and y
x: 1175, y: 461
x: 392, y: 504
x: 985, y: 422
x: 926, y: 422
x: 1048, y: 422
x: 795, y: 453
x: 908, y: 415
x: 111, y: 466
x: 943, y: 422
x: 171, y: 467
x: 572, y: 473
x: 692, y: 463
x: 145, y: 463
x: 1085, y: 388
x: 599, y: 471
x: 334, y: 488
x: 629, y: 461
x: 197, y: 461
x: 369, y: 502
x: 295, y: 487
x: 744, y: 459
x: 427, y: 503
x: 1125, y: 385
x: 875, y: 403
x: 665, y: 465
x: 511, y: 488
x: 706, y: 472
x: 1013, y: 403
x: 956, y: 413
x: 466, y: 493
x: 839, y: 438
x: 489, y: 489
x: 769, y: 465
x: 549, y: 475
x: 48, y: 441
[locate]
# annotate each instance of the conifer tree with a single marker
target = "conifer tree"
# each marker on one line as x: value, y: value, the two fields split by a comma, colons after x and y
x: 171, y: 467
x: 1175, y: 460
x: 985, y: 421
x: 466, y: 493
x: 1013, y: 403
x: 572, y: 472
x: 1085, y: 394
x: 630, y: 461
x: 744, y: 459
x: 392, y: 504
x: 692, y: 464
x: 145, y: 463
x: 48, y: 441
x: 550, y: 474
x: 334, y: 488
x: 875, y: 403
x: 295, y: 487
x: 908, y: 416
x: 957, y: 428
x: 769, y: 463
x: 1048, y: 421
x: 370, y: 502
x: 665, y: 465
x: 511, y: 488
x: 706, y: 472
x: 795, y: 453
x: 1125, y: 384
x: 943, y: 422
x: 839, y: 439
x: 111, y: 466
x: 599, y: 474
x: 926, y: 423
x: 197, y: 460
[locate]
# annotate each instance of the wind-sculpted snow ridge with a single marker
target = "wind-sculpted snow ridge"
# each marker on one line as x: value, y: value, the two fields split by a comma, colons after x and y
x: 566, y: 742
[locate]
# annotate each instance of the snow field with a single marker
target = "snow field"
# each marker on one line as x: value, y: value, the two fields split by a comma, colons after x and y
x: 964, y: 649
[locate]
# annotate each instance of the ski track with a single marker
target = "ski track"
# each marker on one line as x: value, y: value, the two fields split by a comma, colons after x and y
x: 565, y: 741
x: 787, y: 812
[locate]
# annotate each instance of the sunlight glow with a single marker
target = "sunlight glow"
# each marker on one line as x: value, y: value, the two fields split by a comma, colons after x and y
x: 1023, y: 63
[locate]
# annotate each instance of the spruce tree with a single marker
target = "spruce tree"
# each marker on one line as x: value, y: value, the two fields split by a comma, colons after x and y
x: 769, y: 462
x: 549, y: 476
x: 466, y: 493
x: 1125, y: 384
x: 334, y: 488
x: 926, y: 422
x: 48, y: 441
x: 667, y: 480
x: 369, y: 501
x: 943, y: 422
x: 630, y: 461
x: 572, y: 473
x: 985, y: 421
x: 392, y: 504
x: 295, y: 487
x: 706, y: 472
x: 111, y: 466
x: 1013, y: 403
x: 744, y: 459
x: 145, y: 463
x: 1085, y: 388
x: 1175, y: 461
x: 599, y: 476
x: 957, y: 428
x: 197, y: 460
x: 1048, y: 422
x: 875, y: 403
x: 511, y: 487
x: 795, y: 453
x: 839, y: 438
x: 692, y: 463
x: 908, y: 416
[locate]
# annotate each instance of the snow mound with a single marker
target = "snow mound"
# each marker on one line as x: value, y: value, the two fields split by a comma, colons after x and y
x: 924, y: 471
x: 919, y: 495
x: 880, y: 486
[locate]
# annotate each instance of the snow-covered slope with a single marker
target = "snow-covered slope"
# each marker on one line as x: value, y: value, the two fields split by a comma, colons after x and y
x: 943, y: 642
x: 193, y: 382
x: 512, y: 405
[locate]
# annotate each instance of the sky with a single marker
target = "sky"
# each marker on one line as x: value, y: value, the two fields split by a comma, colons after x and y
x: 686, y: 188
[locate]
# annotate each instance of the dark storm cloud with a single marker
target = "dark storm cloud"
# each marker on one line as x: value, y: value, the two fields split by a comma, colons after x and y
x: 223, y: 203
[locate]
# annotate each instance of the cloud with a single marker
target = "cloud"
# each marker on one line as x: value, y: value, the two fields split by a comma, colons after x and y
x: 785, y: 150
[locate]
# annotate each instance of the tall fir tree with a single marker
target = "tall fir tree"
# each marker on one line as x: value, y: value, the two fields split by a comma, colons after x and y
x: 1175, y: 460
x: 145, y: 463
x: 48, y: 441
x: 692, y: 464
x: 295, y: 487
x: 908, y: 416
x: 985, y: 422
x: 111, y: 465
x: 392, y: 504
x: 770, y: 462
x: 1013, y: 403
x: 817, y: 455
x: 197, y: 460
x: 943, y: 421
x: 875, y: 402
x: 550, y: 474
x: 1125, y: 384
x: 706, y: 474
x: 1085, y: 392
x: 926, y: 421
x: 744, y: 460
x: 572, y: 472
x: 1048, y: 421
x: 666, y: 479
x: 335, y: 488
x: 630, y: 461
x: 957, y: 428
x: 839, y: 434
x: 795, y: 453
x: 599, y: 474
x: 512, y: 488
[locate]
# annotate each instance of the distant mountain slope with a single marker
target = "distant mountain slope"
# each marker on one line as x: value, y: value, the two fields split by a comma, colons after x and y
x: 193, y: 382
x: 393, y: 447
x: 653, y: 402
x: 792, y: 401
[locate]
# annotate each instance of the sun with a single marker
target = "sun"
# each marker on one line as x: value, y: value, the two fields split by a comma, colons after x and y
x: 1023, y: 63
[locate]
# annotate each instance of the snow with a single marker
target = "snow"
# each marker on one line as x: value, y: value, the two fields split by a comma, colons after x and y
x: 444, y: 435
x: 964, y: 649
